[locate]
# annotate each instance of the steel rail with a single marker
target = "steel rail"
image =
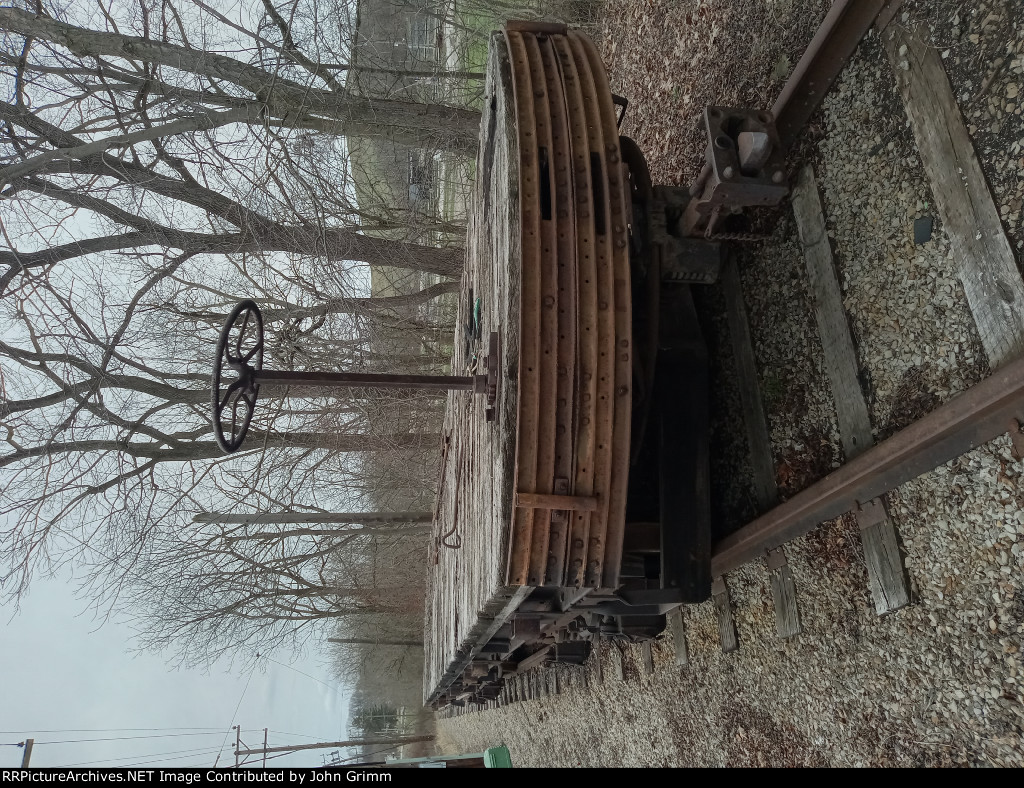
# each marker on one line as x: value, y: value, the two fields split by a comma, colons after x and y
x: 566, y: 306
x: 529, y: 311
x: 605, y: 277
x: 974, y: 417
x: 584, y: 405
x: 834, y: 43
x: 621, y: 304
x: 546, y: 318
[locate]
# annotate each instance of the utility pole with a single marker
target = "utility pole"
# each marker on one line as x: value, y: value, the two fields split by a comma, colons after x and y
x: 27, y: 755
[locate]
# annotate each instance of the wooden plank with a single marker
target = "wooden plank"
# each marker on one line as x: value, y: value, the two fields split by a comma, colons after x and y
x: 780, y: 578
x: 536, y: 658
x: 678, y: 630
x: 889, y: 588
x: 970, y: 218
x: 766, y: 491
x: 882, y: 556
x: 567, y: 503
x: 723, y: 611
x: 618, y: 662
x: 841, y: 365
x: 647, y: 653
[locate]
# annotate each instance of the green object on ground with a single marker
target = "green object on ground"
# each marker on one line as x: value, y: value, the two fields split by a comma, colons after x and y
x: 497, y: 758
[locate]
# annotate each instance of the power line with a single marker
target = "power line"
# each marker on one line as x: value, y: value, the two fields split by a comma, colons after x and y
x: 128, y: 738
x: 197, y: 751
x: 234, y: 714
x: 111, y: 730
x: 179, y: 758
x: 303, y: 673
x: 299, y: 735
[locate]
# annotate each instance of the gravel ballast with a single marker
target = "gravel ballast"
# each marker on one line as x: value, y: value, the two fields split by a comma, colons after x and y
x: 939, y: 682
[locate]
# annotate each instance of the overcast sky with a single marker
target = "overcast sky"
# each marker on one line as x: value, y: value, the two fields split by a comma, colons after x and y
x: 60, y: 673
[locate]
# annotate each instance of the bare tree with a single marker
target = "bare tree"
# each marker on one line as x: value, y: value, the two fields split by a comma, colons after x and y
x: 211, y: 592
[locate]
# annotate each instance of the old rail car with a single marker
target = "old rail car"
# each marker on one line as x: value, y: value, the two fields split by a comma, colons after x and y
x: 576, y: 505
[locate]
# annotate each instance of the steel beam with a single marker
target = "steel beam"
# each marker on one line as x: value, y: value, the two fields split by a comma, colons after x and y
x: 845, y: 24
x: 976, y: 416
x: 265, y: 377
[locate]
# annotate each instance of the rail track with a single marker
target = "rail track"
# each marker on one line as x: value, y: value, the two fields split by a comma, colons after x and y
x: 989, y: 409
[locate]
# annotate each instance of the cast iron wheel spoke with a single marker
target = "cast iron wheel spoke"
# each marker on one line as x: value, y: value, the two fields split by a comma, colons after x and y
x: 248, y: 356
x: 241, y: 332
x: 231, y: 390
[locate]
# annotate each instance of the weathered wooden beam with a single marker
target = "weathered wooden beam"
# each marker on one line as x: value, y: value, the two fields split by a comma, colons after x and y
x: 780, y: 578
x: 762, y: 464
x: 647, y: 655
x: 723, y: 611
x: 678, y: 630
x: 766, y: 492
x: 970, y: 218
x: 888, y: 581
x: 569, y: 503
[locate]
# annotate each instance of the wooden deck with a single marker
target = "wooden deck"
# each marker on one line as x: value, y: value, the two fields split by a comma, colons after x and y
x: 467, y: 598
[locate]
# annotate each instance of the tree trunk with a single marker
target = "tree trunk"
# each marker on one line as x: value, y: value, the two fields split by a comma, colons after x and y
x: 285, y: 99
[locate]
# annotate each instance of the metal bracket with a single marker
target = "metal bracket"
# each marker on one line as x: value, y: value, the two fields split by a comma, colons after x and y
x: 620, y: 101
x: 745, y: 167
x: 776, y: 559
x: 871, y: 513
x: 561, y: 488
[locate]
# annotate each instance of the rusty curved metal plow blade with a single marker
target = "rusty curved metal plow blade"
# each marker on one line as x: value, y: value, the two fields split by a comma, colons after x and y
x: 546, y: 271
x: 604, y: 259
x: 585, y: 274
x: 529, y: 313
x: 619, y: 210
x: 563, y: 218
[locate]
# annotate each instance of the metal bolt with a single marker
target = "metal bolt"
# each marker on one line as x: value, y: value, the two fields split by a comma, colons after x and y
x: 778, y: 176
x: 728, y: 172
